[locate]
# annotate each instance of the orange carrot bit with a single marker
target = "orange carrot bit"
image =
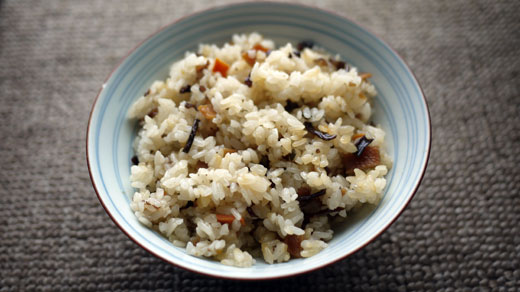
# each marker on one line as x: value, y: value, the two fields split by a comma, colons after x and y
x: 228, y: 150
x: 207, y: 111
x: 220, y: 66
x: 248, y: 59
x: 357, y: 136
x: 259, y: 47
x: 365, y: 76
x: 228, y: 219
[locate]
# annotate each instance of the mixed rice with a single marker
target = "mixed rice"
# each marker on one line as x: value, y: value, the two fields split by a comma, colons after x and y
x: 247, y: 151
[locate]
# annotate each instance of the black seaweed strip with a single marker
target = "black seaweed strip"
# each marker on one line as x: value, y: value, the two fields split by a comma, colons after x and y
x: 192, y: 136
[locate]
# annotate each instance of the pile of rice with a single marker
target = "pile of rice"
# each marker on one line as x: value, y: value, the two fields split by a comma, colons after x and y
x: 254, y: 181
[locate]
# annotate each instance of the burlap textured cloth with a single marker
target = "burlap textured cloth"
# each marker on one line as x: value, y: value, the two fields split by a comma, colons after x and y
x: 460, y: 231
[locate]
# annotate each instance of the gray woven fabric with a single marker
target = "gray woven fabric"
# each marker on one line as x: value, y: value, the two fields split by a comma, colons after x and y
x: 460, y: 231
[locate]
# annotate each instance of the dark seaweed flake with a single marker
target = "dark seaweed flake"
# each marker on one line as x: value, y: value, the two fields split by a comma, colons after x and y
x: 290, y: 106
x: 265, y: 161
x: 290, y: 156
x: 325, y: 136
x: 339, y: 64
x: 185, y: 89
x: 188, y: 205
x: 190, y: 105
x: 192, y: 136
x: 248, y: 81
x: 361, y: 144
x: 328, y: 211
x: 135, y: 160
x: 252, y: 214
x: 305, y: 44
x: 312, y: 196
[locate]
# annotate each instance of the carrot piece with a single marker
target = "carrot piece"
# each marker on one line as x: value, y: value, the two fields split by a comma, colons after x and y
x: 228, y: 150
x: 207, y: 111
x: 246, y: 56
x: 357, y: 136
x: 365, y: 76
x: 259, y: 47
x: 249, y: 60
x: 220, y: 66
x: 228, y: 219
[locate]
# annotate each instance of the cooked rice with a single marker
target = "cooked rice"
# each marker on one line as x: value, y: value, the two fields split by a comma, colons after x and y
x: 189, y: 197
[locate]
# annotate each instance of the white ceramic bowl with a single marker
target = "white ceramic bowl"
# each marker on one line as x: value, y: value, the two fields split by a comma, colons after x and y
x: 400, y: 108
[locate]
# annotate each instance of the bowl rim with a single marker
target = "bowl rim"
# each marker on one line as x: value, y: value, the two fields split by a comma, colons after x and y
x: 289, y: 274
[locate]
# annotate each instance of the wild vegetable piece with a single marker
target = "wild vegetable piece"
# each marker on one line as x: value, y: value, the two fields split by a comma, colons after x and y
x: 328, y: 211
x: 264, y: 161
x: 190, y: 105
x: 325, y: 136
x: 290, y: 106
x: 339, y: 64
x: 185, y: 89
x: 194, y: 128
x: 309, y: 209
x: 305, y: 44
x: 304, y: 191
x: 361, y: 144
x: 312, y: 196
x: 290, y: 156
x: 294, y: 246
x: 248, y: 81
x: 201, y: 164
x: 188, y: 205
x: 369, y: 159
